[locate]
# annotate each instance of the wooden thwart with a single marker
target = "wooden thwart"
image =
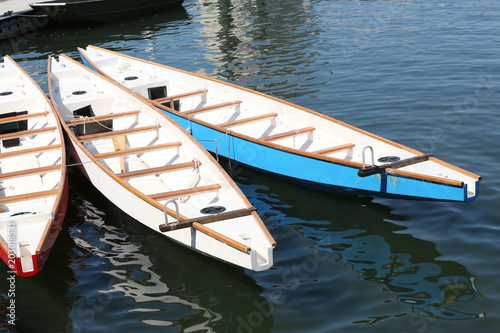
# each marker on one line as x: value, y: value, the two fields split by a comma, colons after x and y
x: 287, y: 134
x: 22, y: 117
x: 248, y: 120
x: 33, y: 171
x: 212, y: 107
x: 101, y: 117
x: 27, y: 132
x: 30, y: 150
x: 138, y: 150
x: 179, y: 96
x: 27, y: 196
x: 157, y: 170
x: 184, y: 192
x: 117, y: 133
x: 373, y: 169
x: 334, y: 149
x: 208, y: 219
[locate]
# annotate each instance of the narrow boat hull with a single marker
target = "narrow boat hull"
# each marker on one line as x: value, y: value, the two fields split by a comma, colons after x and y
x: 172, y: 170
x: 327, y: 155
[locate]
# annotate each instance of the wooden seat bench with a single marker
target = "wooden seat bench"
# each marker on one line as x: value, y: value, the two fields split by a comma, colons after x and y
x: 185, y: 192
x: 334, y: 149
x: 26, y: 196
x: 117, y: 133
x: 33, y: 171
x: 22, y: 117
x: 248, y: 120
x: 30, y: 150
x: 27, y: 132
x: 288, y: 134
x: 138, y: 150
x: 157, y: 170
x: 91, y: 119
x: 178, y: 96
x: 212, y: 107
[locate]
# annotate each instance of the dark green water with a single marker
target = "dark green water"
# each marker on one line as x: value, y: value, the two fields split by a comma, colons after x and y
x: 425, y: 74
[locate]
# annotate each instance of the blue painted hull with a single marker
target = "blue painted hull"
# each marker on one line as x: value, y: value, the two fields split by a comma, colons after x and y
x: 313, y: 172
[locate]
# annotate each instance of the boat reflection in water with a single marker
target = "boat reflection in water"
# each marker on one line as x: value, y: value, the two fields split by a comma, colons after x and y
x: 361, y: 233
x: 149, y: 282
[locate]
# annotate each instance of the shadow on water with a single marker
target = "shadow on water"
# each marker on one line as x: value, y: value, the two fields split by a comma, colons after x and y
x: 369, y: 237
x: 106, y: 265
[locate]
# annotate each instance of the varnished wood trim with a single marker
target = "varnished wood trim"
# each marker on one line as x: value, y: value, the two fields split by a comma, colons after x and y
x: 117, y: 133
x: 264, y: 229
x: 184, y: 192
x: 33, y: 171
x: 335, y: 148
x: 30, y: 150
x: 229, y: 241
x: 211, y: 107
x: 27, y: 132
x: 22, y: 117
x: 138, y: 150
x: 102, y: 117
x: 27, y: 196
x: 208, y: 219
x: 157, y: 170
x: 247, y: 120
x: 426, y: 177
x: 288, y: 133
x: 178, y: 96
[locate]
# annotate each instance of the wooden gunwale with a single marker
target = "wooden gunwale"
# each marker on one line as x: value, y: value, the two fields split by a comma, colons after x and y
x: 211, y: 107
x: 229, y: 241
x: 184, y: 192
x: 138, y: 150
x: 102, y: 117
x: 248, y: 120
x: 425, y: 177
x: 22, y: 117
x: 31, y: 195
x: 31, y: 171
x: 26, y: 133
x: 30, y: 150
x: 157, y: 170
x: 117, y: 133
x: 178, y: 96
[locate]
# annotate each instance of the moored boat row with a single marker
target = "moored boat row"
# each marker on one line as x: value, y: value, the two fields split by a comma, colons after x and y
x: 127, y: 130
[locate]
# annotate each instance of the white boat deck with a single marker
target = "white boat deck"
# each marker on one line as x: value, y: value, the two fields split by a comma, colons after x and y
x: 15, y: 6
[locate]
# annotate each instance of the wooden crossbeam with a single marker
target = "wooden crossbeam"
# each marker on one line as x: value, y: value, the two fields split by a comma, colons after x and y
x: 185, y: 192
x: 138, y: 150
x: 207, y: 219
x: 333, y: 149
x: 288, y: 134
x: 373, y: 169
x: 212, y: 107
x: 27, y: 196
x: 33, y: 171
x: 157, y: 170
x: 179, y: 96
x: 22, y: 117
x: 27, y: 132
x: 102, y: 117
x: 248, y: 120
x: 117, y: 133
x: 30, y: 150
